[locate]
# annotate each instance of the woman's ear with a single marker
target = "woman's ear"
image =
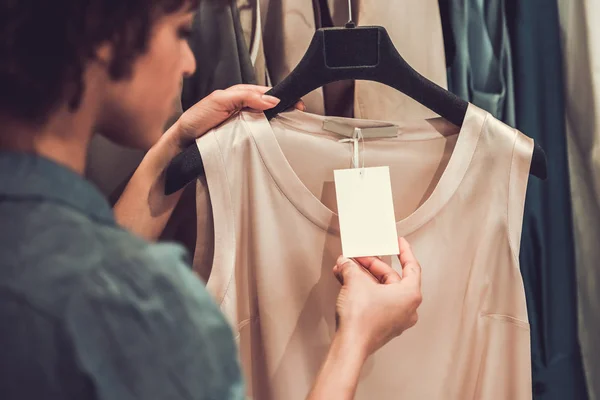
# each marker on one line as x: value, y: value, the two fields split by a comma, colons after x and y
x: 105, y: 54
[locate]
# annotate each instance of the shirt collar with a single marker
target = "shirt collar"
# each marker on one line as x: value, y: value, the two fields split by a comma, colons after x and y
x: 35, y: 178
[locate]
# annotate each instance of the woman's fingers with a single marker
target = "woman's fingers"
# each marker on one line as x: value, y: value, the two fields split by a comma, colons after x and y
x: 380, y: 270
x: 384, y: 273
x: 262, y: 90
x: 232, y: 100
x: 300, y: 105
x: 411, y: 269
x: 255, y: 88
x: 221, y: 105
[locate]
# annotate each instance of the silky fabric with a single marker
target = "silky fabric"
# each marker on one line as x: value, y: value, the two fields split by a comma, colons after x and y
x: 414, y: 27
x: 459, y: 196
x: 547, y: 250
x: 581, y: 56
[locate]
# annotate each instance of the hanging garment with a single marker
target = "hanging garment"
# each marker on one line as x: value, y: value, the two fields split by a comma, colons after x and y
x: 459, y: 201
x: 414, y: 27
x: 250, y: 13
x: 416, y: 30
x: 222, y: 56
x: 449, y: 43
x: 481, y: 69
x: 547, y: 256
x: 581, y: 46
x: 289, y: 26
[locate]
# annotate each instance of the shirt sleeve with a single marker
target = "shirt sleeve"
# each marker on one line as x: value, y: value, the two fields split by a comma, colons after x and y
x: 146, y: 328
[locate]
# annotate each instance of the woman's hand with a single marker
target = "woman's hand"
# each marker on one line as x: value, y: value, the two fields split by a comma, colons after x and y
x: 374, y: 306
x: 143, y: 207
x: 217, y: 108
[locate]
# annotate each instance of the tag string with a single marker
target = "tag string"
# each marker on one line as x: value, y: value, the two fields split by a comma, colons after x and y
x: 362, y: 153
x: 358, y: 154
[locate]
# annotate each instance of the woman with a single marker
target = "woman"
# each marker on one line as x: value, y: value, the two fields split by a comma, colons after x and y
x: 88, y: 310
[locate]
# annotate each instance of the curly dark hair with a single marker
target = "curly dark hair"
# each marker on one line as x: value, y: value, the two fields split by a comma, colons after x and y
x: 45, y: 46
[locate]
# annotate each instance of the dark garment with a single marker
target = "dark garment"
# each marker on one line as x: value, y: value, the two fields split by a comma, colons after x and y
x: 220, y: 49
x: 88, y: 311
x: 481, y: 69
x: 547, y: 254
x: 449, y: 43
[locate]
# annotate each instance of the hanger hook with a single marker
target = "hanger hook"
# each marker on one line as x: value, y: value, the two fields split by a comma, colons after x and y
x: 350, y: 23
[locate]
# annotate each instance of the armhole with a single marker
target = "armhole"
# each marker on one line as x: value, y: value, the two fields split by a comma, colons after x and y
x: 517, y: 189
x: 223, y: 261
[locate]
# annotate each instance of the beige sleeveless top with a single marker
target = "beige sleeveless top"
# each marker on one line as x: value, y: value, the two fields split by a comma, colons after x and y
x: 459, y: 197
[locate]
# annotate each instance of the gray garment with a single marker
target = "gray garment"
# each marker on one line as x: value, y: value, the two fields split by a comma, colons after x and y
x: 88, y: 311
x: 481, y: 71
x: 221, y: 52
x: 581, y: 56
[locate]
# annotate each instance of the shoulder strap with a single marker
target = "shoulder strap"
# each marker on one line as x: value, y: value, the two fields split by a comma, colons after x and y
x: 519, y: 177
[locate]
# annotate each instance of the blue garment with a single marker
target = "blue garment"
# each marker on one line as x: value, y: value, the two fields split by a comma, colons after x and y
x: 525, y: 91
x: 88, y: 311
x: 547, y: 250
x: 480, y: 70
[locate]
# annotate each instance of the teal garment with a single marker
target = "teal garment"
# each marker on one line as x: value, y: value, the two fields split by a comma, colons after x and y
x: 547, y: 253
x: 525, y: 91
x: 481, y: 68
x: 90, y: 312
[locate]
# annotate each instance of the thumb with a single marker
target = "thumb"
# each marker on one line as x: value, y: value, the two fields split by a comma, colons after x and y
x: 345, y: 270
x: 411, y: 269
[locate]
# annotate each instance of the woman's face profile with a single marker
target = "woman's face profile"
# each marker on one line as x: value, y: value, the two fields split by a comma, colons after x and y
x: 136, y: 109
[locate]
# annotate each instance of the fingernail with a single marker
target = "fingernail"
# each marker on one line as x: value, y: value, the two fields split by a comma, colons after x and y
x: 342, y: 260
x: 270, y: 99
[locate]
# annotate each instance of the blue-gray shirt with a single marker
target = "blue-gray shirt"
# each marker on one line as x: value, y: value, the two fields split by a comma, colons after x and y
x: 88, y: 311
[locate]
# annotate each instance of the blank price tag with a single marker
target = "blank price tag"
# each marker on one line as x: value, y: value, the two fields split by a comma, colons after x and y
x: 366, y: 212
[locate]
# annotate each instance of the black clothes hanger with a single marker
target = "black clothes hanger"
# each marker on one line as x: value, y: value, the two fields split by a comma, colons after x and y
x: 334, y: 54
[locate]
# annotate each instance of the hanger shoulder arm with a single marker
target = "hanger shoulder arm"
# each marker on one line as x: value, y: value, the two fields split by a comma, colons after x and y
x: 183, y: 169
